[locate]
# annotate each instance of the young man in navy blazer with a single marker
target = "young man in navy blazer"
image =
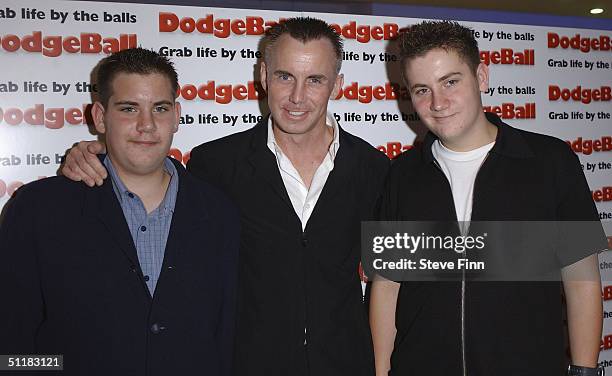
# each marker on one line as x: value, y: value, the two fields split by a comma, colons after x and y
x: 136, y: 276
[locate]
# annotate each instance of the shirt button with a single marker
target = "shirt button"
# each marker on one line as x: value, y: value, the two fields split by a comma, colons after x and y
x: 307, y: 206
x: 146, y: 278
x: 143, y: 228
x: 155, y: 328
x: 130, y: 195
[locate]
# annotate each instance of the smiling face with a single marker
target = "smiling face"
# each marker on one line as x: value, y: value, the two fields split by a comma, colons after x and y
x: 139, y: 122
x: 299, y: 79
x: 445, y: 92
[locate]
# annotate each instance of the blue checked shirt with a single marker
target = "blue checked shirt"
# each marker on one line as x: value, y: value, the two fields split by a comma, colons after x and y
x: 149, y: 231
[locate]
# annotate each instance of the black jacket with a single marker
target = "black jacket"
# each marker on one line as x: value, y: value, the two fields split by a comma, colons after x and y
x: 510, y: 328
x: 291, y: 279
x: 71, y: 283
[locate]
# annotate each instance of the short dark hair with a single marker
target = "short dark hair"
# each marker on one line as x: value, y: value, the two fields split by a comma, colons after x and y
x: 304, y: 29
x: 134, y: 60
x: 423, y: 37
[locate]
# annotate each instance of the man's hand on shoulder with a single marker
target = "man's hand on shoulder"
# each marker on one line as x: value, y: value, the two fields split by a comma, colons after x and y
x: 82, y: 164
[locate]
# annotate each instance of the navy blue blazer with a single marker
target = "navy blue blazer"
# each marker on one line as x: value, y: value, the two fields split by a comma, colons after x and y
x: 71, y: 283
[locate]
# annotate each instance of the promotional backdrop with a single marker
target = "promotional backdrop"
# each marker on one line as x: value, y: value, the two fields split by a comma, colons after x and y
x: 549, y: 80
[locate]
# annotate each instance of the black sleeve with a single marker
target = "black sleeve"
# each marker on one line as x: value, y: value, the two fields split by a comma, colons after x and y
x: 581, y: 233
x: 208, y: 163
x: 386, y: 209
x: 200, y: 165
x: 22, y: 309
x: 227, y: 327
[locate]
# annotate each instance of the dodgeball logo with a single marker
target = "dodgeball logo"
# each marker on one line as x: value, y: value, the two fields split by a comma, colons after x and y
x: 366, y: 93
x: 580, y: 94
x: 586, y: 147
x: 53, y: 46
x: 222, y: 94
x: 253, y: 25
x: 52, y: 118
x: 508, y: 56
x: 577, y: 42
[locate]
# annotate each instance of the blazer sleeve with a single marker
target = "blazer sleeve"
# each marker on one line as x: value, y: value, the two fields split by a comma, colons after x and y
x: 227, y: 325
x: 204, y: 164
x: 22, y: 301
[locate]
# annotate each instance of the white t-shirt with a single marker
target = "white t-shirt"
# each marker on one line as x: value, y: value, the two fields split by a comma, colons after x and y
x: 461, y: 169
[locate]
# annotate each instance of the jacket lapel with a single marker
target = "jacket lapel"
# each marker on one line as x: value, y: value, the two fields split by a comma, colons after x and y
x: 187, y: 217
x: 264, y: 163
x: 338, y: 179
x: 101, y: 203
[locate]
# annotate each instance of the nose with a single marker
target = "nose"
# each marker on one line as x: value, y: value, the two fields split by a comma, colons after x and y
x: 438, y: 102
x: 297, y: 93
x: 146, y: 122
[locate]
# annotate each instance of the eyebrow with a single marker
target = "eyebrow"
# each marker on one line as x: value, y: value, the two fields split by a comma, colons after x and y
x: 317, y: 76
x: 118, y: 103
x: 282, y: 72
x: 130, y: 103
x: 441, y: 79
x: 449, y: 75
x: 170, y: 103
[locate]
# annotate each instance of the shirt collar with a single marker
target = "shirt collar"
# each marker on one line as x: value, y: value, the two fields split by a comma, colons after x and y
x: 166, y: 207
x: 330, y: 121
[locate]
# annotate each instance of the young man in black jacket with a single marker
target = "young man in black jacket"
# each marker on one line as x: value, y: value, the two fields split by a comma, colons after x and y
x: 474, y: 167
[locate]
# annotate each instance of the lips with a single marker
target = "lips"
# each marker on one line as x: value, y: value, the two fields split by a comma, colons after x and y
x: 144, y: 143
x: 295, y: 113
x: 442, y: 118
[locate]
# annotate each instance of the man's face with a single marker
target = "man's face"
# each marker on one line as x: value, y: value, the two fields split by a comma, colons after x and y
x: 139, y: 122
x: 299, y: 79
x: 446, y: 95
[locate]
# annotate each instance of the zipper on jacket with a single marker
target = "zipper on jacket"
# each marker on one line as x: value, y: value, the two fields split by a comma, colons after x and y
x: 462, y: 295
x: 463, y: 273
x: 463, y: 361
x: 462, y: 302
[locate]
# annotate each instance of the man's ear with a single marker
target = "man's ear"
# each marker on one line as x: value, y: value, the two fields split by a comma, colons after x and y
x: 177, y: 120
x: 338, y: 83
x: 263, y: 74
x: 482, y: 75
x: 97, y: 113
